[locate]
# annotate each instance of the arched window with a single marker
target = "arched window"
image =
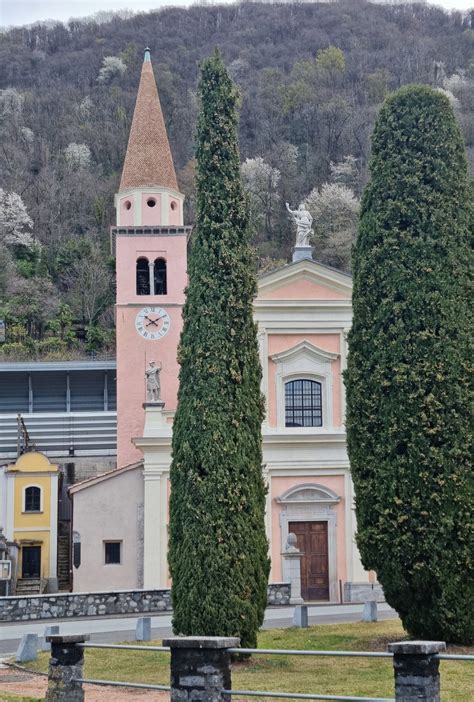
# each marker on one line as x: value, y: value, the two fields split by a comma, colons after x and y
x: 160, y: 276
x: 303, y: 406
x: 32, y: 499
x: 143, y: 277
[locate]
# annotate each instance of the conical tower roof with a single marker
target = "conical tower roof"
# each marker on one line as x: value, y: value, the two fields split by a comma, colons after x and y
x: 148, y: 161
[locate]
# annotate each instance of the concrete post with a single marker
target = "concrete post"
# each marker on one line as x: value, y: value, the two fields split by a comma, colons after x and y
x: 201, y: 668
x: 28, y: 648
x: 143, y: 629
x: 300, y: 616
x: 292, y: 569
x: 416, y: 670
x: 66, y: 664
x: 369, y: 613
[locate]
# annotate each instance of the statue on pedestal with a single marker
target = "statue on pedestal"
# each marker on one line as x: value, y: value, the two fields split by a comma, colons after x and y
x: 153, y: 386
x: 303, y: 220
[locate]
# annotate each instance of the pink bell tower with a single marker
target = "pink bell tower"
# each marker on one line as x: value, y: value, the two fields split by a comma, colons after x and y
x: 150, y: 248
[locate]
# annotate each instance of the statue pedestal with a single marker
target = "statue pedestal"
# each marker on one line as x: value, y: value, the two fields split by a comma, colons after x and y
x: 292, y: 569
x: 302, y: 252
x: 153, y: 417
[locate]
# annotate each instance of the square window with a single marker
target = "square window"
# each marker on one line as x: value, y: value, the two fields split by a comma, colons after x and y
x: 113, y: 552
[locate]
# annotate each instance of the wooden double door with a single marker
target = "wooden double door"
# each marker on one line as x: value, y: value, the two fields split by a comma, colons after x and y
x: 312, y: 540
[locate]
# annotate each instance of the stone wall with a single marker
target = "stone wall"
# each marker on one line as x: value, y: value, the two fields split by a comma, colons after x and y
x: 279, y: 594
x: 92, y: 604
x: 84, y: 604
x: 363, y: 592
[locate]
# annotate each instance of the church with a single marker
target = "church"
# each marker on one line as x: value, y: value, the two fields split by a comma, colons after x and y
x: 303, y: 314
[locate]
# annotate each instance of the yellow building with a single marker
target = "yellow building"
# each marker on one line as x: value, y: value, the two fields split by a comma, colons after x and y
x: 31, y: 506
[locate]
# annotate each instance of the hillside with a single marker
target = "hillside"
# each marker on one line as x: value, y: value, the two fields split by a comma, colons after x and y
x: 312, y: 77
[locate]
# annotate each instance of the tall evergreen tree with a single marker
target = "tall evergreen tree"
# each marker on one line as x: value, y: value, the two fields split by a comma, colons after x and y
x: 218, y: 548
x: 408, y: 401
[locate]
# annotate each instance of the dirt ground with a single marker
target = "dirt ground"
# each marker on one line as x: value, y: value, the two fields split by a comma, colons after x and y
x: 32, y: 685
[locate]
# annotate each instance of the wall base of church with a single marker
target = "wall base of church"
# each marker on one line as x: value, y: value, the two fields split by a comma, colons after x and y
x: 363, y: 592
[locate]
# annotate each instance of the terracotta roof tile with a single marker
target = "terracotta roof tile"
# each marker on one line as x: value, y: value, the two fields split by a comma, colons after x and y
x: 148, y: 161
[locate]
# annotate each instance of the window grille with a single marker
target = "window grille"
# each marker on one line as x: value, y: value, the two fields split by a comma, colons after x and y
x: 303, y: 404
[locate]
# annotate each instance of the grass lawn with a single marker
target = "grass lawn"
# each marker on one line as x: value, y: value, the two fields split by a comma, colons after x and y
x: 337, y: 676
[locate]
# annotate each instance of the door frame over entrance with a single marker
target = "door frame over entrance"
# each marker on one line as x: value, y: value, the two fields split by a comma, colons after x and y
x: 312, y: 502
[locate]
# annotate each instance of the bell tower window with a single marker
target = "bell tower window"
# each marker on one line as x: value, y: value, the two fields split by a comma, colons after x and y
x: 160, y: 277
x: 143, y: 277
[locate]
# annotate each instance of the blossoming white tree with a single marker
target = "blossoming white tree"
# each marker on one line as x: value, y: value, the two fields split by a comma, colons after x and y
x: 14, y: 220
x: 78, y: 156
x: 261, y: 181
x: 334, y: 209
x: 111, y: 66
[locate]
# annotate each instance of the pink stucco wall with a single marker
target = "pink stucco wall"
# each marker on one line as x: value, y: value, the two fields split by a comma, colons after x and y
x: 151, y: 216
x: 284, y: 342
x: 126, y: 216
x: 133, y: 351
x: 171, y: 248
x: 278, y: 487
x: 175, y: 215
x: 302, y: 289
x: 133, y: 355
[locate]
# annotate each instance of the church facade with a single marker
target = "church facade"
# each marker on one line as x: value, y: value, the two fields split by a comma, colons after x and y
x: 302, y: 312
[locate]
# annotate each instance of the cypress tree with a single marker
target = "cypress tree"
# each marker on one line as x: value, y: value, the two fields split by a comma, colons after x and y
x: 218, y: 548
x: 407, y: 380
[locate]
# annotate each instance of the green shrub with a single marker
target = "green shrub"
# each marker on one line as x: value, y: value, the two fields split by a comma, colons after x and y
x: 218, y: 548
x: 410, y: 347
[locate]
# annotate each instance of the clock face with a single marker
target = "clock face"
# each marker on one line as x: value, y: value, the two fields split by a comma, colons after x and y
x: 152, y: 323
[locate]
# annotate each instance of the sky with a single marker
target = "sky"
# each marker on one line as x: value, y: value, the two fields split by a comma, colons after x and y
x: 18, y: 12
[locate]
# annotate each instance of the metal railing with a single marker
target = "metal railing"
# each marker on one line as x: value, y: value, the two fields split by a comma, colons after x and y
x: 422, y: 653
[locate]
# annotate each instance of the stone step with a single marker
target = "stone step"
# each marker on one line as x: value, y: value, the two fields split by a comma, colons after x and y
x: 28, y: 586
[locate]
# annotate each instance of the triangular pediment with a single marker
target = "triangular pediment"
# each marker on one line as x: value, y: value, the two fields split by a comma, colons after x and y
x: 305, y: 349
x: 305, y: 280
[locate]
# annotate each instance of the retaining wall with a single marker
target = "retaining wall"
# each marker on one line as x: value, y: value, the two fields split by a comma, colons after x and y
x: 92, y: 604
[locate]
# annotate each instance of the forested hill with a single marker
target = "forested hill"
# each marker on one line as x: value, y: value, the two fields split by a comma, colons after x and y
x: 312, y: 77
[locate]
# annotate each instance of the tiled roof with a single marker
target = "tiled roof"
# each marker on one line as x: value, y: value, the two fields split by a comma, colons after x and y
x: 104, y: 476
x: 148, y: 161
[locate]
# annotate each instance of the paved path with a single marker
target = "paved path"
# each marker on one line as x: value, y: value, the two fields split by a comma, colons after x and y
x: 22, y: 683
x: 116, y: 629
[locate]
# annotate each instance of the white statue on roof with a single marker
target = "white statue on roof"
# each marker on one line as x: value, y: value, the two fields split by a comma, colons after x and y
x: 303, y: 220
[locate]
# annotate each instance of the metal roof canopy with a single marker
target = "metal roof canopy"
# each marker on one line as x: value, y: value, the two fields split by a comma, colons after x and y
x: 35, y: 366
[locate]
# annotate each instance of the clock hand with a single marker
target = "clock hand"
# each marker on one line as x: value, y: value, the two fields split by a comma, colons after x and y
x: 151, y: 321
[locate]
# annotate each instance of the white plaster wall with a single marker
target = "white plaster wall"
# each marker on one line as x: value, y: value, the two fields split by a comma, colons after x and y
x: 111, y: 510
x: 3, y: 502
